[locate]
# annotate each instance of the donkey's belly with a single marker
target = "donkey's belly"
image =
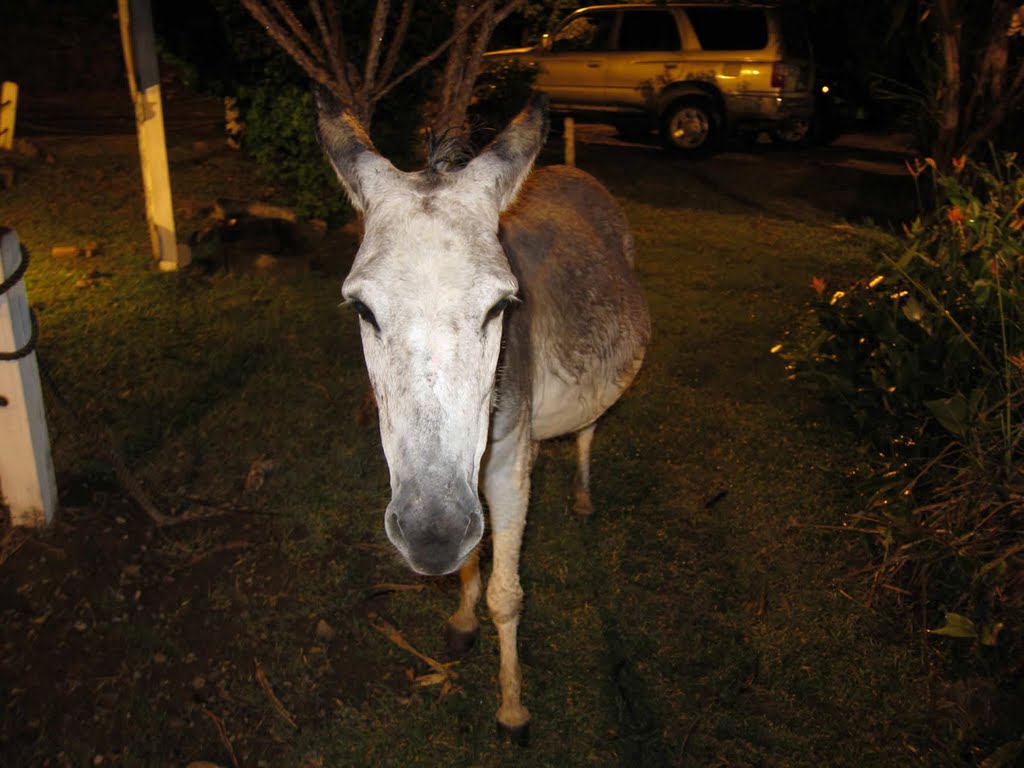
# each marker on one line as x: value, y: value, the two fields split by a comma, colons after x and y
x: 562, y: 406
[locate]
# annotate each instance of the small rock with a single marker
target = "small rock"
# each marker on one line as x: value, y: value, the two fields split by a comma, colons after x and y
x: 324, y: 631
x: 159, y: 658
x: 198, y: 683
x: 265, y: 261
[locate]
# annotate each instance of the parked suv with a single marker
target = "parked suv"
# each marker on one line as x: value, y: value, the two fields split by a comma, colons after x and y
x: 694, y: 71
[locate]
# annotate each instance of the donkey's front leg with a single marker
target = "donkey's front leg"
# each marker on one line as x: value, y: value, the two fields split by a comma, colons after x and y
x: 463, y: 627
x: 506, y: 484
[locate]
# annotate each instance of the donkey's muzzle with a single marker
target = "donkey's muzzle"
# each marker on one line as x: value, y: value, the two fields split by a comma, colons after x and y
x: 434, y: 537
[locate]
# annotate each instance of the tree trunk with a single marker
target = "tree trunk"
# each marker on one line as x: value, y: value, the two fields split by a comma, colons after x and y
x: 948, y: 96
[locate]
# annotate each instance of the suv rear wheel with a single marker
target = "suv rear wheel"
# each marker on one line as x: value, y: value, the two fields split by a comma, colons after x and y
x: 797, y: 133
x: 690, y: 125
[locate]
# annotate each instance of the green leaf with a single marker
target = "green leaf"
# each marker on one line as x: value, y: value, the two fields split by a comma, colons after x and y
x: 990, y: 633
x: 956, y: 626
x: 982, y: 291
x: 953, y: 413
x: 913, y: 310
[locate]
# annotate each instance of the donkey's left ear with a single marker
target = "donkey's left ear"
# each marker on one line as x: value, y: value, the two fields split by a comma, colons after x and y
x: 506, y: 162
x: 361, y: 170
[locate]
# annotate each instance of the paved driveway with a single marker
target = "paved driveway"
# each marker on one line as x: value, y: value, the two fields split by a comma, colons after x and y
x: 859, y: 177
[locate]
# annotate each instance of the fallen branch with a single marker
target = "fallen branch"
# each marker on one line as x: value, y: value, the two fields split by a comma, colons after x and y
x: 225, y: 209
x: 261, y: 678
x: 13, y: 540
x: 443, y: 673
x: 223, y: 736
x: 387, y: 588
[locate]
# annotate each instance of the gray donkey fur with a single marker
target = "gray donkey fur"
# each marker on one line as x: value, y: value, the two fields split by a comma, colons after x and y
x: 497, y: 309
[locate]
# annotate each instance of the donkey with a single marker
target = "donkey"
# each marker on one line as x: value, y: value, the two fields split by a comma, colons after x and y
x: 495, y: 311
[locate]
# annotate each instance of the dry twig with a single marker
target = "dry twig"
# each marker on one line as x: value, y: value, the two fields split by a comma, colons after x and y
x: 443, y: 673
x: 261, y: 678
x: 222, y: 733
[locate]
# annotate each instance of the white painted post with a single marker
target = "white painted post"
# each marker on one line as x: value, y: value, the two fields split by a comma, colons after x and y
x: 570, y: 141
x: 136, y: 18
x: 27, y: 483
x: 8, y: 112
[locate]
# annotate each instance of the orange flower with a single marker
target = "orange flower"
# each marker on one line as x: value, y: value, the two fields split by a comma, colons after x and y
x: 818, y: 284
x: 955, y: 215
x: 917, y: 168
x: 959, y: 163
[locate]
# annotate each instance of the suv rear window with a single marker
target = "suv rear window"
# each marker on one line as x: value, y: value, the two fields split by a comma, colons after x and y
x: 648, y: 31
x: 586, y: 32
x: 729, y: 29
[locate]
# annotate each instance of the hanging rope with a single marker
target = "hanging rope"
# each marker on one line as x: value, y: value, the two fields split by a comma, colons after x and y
x: 12, y: 280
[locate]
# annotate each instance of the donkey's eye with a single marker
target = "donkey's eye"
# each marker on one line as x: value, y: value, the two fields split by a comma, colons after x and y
x: 497, y: 309
x: 365, y: 313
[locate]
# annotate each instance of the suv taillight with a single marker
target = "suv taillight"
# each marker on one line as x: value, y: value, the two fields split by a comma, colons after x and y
x: 781, y: 73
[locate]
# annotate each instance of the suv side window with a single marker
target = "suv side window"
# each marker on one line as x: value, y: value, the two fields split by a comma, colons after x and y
x: 648, y: 31
x: 586, y: 32
x: 729, y: 29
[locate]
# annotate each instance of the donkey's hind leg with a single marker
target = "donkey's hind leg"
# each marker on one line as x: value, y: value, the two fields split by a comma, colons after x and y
x: 582, y: 504
x: 463, y: 628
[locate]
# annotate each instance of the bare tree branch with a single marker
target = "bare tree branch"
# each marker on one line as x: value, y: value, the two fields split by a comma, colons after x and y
x: 331, y: 44
x: 286, y: 13
x: 320, y: 51
x: 337, y: 32
x: 991, y: 69
x: 380, y: 20
x: 453, y: 66
x: 461, y: 30
x: 1012, y: 99
x: 948, y: 96
x: 397, y: 41
x: 465, y: 62
x: 273, y: 28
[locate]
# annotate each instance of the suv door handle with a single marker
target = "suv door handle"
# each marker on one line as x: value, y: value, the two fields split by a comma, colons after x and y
x: 593, y: 64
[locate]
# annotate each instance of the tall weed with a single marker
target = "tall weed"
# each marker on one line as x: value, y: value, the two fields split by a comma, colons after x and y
x: 926, y: 358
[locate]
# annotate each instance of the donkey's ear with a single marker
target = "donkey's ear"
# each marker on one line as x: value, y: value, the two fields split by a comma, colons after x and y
x: 360, y: 168
x: 506, y: 162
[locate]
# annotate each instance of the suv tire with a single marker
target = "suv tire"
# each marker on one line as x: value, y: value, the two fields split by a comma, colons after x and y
x: 690, y: 125
x: 799, y: 133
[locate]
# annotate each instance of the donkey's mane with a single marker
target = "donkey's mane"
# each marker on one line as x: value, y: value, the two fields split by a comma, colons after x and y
x: 448, y: 151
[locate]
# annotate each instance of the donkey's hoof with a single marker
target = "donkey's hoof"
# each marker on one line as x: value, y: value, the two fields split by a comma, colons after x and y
x: 583, y: 506
x: 517, y: 734
x: 458, y: 641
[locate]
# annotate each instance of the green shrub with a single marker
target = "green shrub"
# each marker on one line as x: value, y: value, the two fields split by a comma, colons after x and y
x: 280, y: 137
x: 926, y: 358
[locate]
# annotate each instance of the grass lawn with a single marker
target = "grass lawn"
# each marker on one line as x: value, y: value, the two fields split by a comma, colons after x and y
x: 708, y: 614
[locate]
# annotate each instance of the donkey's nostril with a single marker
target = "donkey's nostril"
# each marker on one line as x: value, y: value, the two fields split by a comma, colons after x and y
x: 474, y: 532
x: 393, y: 528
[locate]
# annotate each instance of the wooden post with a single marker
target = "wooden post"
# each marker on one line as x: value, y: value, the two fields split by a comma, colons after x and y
x: 8, y: 112
x: 27, y: 483
x: 136, y: 18
x: 570, y: 141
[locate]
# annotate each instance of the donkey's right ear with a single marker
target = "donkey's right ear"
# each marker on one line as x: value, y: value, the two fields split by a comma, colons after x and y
x: 361, y: 170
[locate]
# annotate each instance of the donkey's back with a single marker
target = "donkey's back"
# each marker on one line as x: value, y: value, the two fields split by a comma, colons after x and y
x: 569, y: 245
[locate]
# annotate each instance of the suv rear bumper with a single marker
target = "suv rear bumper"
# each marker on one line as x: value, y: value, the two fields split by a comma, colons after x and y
x: 769, y: 109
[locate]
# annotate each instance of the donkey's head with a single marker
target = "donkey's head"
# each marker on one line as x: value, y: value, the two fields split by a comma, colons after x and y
x: 430, y: 284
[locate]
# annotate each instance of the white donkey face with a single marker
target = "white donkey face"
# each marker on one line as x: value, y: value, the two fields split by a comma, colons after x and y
x: 430, y: 284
